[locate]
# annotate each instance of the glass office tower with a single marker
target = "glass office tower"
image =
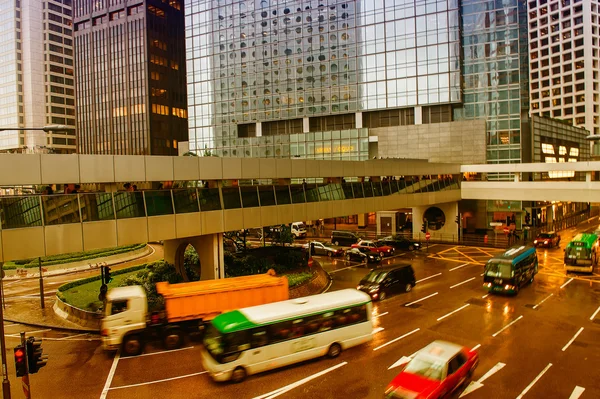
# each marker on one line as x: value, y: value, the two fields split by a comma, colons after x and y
x: 130, y: 76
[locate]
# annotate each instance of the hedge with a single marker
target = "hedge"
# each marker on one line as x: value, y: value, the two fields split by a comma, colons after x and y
x: 298, y: 278
x: 71, y: 257
x: 76, y: 283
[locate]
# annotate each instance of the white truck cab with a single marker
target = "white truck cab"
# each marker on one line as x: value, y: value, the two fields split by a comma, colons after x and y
x: 298, y: 229
x: 125, y: 311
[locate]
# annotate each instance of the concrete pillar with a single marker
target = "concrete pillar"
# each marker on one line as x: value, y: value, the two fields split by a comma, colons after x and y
x: 363, y: 220
x: 358, y: 120
x: 305, y: 125
x: 210, y: 252
x: 517, y: 177
x: 258, y: 129
x: 588, y: 177
x: 418, y: 115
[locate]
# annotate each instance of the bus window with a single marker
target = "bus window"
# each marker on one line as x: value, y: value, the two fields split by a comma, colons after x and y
x: 259, y: 337
x: 280, y: 331
x: 312, y: 324
x: 327, y: 321
x: 297, y: 328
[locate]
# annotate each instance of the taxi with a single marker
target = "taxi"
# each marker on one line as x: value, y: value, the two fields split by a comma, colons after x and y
x: 439, y: 370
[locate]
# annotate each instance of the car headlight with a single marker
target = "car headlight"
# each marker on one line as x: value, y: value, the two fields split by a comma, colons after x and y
x: 374, y: 289
x: 535, y: 241
x: 546, y: 242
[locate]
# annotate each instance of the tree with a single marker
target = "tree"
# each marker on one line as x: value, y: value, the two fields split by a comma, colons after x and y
x: 285, y: 236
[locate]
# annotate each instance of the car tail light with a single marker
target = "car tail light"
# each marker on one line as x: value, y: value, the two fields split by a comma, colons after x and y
x: 104, y: 332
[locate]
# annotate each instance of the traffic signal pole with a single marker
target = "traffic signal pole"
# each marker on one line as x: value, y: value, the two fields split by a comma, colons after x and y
x: 41, y: 283
x: 5, y: 381
x: 25, y: 378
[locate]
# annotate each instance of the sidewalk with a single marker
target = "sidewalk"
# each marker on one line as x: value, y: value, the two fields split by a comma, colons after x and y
x: 29, y: 312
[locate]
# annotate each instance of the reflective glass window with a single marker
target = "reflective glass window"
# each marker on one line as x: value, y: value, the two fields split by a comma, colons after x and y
x: 96, y: 206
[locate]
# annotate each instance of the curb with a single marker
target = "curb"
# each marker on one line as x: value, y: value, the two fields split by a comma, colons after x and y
x: 70, y: 329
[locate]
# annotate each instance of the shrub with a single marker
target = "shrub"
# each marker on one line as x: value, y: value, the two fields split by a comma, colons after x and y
x: 149, y: 276
x: 295, y: 280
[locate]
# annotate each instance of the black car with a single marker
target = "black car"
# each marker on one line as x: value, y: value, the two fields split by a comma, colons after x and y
x: 341, y: 237
x: 383, y: 282
x: 399, y: 242
x: 362, y: 255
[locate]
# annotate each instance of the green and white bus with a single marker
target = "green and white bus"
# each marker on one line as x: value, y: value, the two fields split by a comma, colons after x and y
x: 581, y: 254
x: 259, y: 338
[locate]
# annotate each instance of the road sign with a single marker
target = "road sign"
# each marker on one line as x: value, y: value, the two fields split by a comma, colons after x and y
x: 506, y: 230
x: 310, y: 262
x: 427, y: 236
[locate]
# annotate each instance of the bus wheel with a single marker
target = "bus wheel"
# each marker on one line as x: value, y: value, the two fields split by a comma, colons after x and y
x: 173, y: 338
x: 532, y: 278
x: 132, y: 345
x: 334, y: 350
x: 238, y: 375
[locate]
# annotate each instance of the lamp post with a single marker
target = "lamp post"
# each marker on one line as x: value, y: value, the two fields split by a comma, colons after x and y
x: 46, y: 129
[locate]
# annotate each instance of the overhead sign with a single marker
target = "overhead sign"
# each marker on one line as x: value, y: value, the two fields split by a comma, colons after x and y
x: 495, y: 224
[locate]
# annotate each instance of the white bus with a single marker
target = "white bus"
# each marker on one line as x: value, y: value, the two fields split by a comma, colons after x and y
x: 264, y: 337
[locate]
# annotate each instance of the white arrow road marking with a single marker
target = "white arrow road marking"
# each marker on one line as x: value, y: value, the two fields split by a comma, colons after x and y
x: 400, y: 362
x: 577, y: 392
x: 475, y: 385
x: 595, y: 313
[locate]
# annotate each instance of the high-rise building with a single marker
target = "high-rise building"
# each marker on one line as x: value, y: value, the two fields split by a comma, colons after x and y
x: 130, y: 76
x: 36, y: 76
x: 563, y: 43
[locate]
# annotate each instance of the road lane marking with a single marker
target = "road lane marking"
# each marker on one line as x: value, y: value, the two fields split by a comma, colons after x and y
x: 458, y: 267
x: 349, y: 267
x: 454, y: 311
x: 475, y: 385
x: 595, y: 313
x: 543, y: 300
x: 572, y: 339
x: 576, y: 392
x: 378, y: 329
x: 15, y: 324
x: 280, y: 391
x: 427, y: 278
x: 401, y: 361
x: 158, y: 381
x: 28, y: 332
x: 475, y: 347
x: 565, y: 284
x: 485, y: 296
x: 379, y: 315
x: 432, y: 245
x: 111, y: 374
x: 534, y: 381
x: 422, y: 299
x: 466, y: 281
x: 158, y: 353
x: 508, y: 325
x: 397, y: 339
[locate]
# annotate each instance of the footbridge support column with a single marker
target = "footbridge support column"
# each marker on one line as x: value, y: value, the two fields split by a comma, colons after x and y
x: 210, y: 253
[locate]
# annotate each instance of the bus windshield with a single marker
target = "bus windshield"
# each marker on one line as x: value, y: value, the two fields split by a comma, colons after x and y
x: 498, y: 269
x: 578, y: 253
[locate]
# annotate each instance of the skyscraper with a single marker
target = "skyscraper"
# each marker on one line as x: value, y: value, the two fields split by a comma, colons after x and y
x: 563, y: 44
x: 36, y: 75
x: 130, y: 76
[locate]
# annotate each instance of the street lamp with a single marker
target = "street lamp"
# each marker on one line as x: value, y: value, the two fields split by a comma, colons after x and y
x: 47, y: 128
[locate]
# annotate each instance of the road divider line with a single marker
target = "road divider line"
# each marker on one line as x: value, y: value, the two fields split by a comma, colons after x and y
x: 422, y: 299
x: 475, y: 347
x: 591, y: 318
x: 565, y: 284
x: 158, y: 381
x: 348, y: 267
x: 572, y: 339
x: 377, y: 329
x: 543, y: 300
x: 71, y: 336
x: 458, y: 267
x: 379, y: 315
x: 111, y: 374
x: 534, y: 381
x: 576, y: 392
x: 159, y: 353
x: 464, y: 282
x: 427, y: 278
x: 397, y: 339
x: 15, y: 324
x: 280, y: 391
x: 454, y: 311
x: 508, y: 325
x: 485, y: 296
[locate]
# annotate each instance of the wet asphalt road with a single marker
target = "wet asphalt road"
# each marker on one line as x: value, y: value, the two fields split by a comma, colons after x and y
x: 530, y: 334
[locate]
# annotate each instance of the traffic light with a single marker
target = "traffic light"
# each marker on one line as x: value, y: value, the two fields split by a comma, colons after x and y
x: 36, y: 358
x: 106, y: 278
x: 20, y: 360
x: 424, y: 228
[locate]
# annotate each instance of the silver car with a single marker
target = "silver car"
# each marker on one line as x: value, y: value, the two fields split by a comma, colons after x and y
x: 319, y: 248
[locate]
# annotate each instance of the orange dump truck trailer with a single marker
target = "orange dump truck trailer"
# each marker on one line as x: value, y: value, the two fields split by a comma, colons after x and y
x: 128, y: 326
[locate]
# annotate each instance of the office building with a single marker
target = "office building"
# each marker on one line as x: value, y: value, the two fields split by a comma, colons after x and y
x: 130, y: 76
x: 36, y: 76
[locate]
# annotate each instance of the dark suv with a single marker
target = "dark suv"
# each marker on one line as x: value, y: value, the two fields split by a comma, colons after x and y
x: 383, y: 282
x: 549, y: 240
x: 345, y: 238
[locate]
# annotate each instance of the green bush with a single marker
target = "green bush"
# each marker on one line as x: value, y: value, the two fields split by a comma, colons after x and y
x: 72, y: 257
x: 191, y: 263
x: 260, y: 260
x: 149, y: 276
x: 10, y: 267
x: 82, y: 281
x: 295, y: 280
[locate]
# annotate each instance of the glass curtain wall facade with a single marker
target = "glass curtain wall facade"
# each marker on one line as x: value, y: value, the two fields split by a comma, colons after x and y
x: 130, y: 73
x: 259, y: 61
x: 495, y: 75
x: 11, y: 77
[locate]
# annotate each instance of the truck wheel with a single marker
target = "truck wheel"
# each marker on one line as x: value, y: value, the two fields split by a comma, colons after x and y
x: 132, y: 345
x: 334, y: 350
x: 173, y: 338
x: 238, y: 375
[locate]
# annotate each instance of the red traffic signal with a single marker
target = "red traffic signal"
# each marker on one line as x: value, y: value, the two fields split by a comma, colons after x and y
x: 20, y: 360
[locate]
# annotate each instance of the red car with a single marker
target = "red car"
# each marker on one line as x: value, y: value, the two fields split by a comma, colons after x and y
x: 375, y: 246
x: 437, y: 371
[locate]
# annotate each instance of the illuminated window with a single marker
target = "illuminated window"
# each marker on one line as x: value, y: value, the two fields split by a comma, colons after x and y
x: 562, y: 150
x: 550, y: 159
x: 574, y: 152
x: 572, y: 159
x: 547, y: 149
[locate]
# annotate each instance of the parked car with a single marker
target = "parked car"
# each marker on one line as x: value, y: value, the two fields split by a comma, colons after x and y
x: 549, y: 240
x: 375, y: 246
x: 318, y: 248
x: 359, y: 255
x: 383, y: 282
x: 439, y: 370
x: 341, y: 237
x: 399, y: 242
